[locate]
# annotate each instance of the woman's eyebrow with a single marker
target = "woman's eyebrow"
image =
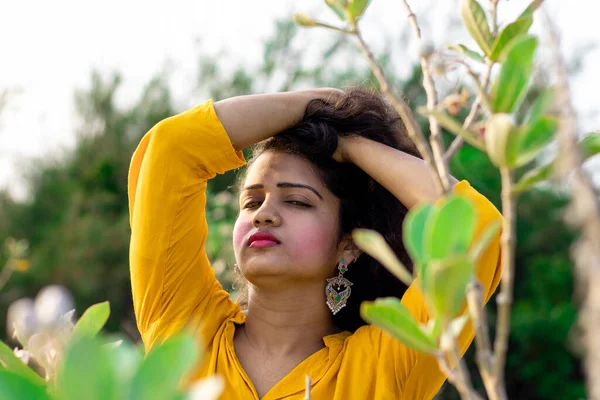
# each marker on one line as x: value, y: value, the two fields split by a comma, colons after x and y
x: 285, y: 185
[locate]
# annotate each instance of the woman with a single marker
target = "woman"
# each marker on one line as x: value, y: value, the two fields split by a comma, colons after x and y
x: 338, y: 161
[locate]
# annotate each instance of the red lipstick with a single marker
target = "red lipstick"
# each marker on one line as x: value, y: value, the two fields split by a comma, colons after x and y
x: 261, y: 240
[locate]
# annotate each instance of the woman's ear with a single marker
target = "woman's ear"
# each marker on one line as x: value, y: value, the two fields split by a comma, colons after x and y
x: 350, y: 252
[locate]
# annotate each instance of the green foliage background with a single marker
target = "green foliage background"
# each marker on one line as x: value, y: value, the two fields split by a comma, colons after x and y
x: 76, y: 218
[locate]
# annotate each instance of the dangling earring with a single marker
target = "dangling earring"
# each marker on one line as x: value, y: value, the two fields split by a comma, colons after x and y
x: 336, y: 299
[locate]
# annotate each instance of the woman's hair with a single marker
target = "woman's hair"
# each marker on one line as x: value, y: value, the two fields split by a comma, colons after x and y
x: 363, y: 202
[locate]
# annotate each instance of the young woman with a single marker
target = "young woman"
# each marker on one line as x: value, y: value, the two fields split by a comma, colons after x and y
x: 326, y: 162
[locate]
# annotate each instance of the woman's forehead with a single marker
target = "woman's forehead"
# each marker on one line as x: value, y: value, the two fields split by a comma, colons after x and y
x: 281, y: 167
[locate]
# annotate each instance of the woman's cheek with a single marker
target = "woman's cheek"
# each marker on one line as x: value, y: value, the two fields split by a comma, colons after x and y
x: 310, y: 242
x: 240, y: 230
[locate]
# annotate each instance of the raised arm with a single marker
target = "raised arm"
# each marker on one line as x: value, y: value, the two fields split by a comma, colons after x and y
x: 410, y: 181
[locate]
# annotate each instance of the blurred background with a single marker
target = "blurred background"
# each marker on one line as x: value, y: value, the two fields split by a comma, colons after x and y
x: 81, y: 82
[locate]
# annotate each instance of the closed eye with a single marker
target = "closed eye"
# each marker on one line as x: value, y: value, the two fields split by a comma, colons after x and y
x: 299, y: 203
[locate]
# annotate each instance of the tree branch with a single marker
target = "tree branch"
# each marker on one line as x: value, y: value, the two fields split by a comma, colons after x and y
x: 435, y: 139
x: 412, y: 127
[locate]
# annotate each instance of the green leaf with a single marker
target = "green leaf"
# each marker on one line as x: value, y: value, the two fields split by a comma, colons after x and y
x: 534, y: 176
x: 540, y: 105
x: 15, y: 386
x: 454, y: 127
x: 358, y: 7
x: 337, y: 8
x: 511, y: 86
x: 450, y: 230
x: 88, y: 372
x: 510, y: 31
x: 532, y: 138
x: 92, y: 321
x: 500, y: 142
x: 414, y: 233
x: 160, y: 373
x: 394, y: 318
x: 590, y: 145
x: 531, y: 8
x: 447, y: 285
x: 12, y: 363
x: 465, y: 51
x: 484, y: 240
x: 375, y: 245
x: 476, y: 22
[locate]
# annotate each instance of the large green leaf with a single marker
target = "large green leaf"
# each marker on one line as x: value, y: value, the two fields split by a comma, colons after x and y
x: 467, y: 52
x: 92, y: 321
x: 159, y: 375
x: 511, y: 86
x: 450, y: 230
x: 375, y: 245
x: 510, y: 31
x: 454, y: 127
x: 12, y: 363
x: 532, y: 138
x: 88, y: 372
x: 15, y: 386
x: 358, y: 7
x: 477, y: 24
x: 394, y: 318
x: 414, y: 233
x: 447, y: 284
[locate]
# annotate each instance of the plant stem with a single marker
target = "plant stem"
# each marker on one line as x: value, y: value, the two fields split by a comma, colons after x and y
x: 473, y: 114
x: 583, y: 213
x: 6, y: 273
x: 436, y: 140
x: 484, y: 357
x: 505, y: 297
x: 456, y: 378
x: 412, y: 127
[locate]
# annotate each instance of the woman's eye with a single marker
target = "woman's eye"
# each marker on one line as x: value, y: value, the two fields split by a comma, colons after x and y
x: 251, y: 204
x: 298, y: 203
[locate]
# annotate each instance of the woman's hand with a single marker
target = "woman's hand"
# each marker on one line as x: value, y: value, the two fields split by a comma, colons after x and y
x: 250, y: 119
x: 341, y: 153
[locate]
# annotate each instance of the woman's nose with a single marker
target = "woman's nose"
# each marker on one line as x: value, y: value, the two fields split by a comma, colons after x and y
x: 266, y: 215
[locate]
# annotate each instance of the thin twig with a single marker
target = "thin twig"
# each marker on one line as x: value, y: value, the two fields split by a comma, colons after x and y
x: 6, y: 273
x: 505, y: 297
x: 412, y: 127
x: 436, y: 140
x: 583, y: 213
x: 457, y: 377
x: 307, y: 386
x: 484, y: 357
x: 473, y: 114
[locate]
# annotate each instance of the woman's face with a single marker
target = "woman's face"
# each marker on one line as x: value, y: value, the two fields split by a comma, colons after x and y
x: 287, y: 229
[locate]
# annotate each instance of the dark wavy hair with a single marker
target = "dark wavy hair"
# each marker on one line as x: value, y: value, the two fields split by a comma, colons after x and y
x: 363, y: 202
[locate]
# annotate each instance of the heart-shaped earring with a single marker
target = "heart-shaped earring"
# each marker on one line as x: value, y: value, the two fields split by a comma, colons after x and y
x: 335, y: 295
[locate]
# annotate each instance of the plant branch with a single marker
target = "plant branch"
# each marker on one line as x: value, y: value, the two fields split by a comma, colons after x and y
x: 473, y: 114
x: 436, y: 140
x: 455, y: 377
x: 6, y: 273
x: 412, y: 127
x: 583, y: 213
x: 484, y: 357
x: 505, y: 297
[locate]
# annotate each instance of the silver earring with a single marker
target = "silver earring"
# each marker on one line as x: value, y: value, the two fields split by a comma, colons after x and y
x: 336, y: 298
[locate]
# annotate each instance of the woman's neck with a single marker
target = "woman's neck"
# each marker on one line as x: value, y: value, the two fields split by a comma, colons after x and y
x: 288, y: 321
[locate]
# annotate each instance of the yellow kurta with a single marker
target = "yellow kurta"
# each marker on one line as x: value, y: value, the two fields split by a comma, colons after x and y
x: 173, y: 283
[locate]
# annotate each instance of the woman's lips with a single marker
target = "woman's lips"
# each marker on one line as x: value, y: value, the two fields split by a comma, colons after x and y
x: 260, y: 240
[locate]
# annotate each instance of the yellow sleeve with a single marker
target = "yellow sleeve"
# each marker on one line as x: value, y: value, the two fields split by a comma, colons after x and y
x: 171, y: 277
x: 417, y: 373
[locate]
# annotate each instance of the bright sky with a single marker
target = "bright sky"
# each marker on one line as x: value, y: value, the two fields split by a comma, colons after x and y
x: 49, y: 49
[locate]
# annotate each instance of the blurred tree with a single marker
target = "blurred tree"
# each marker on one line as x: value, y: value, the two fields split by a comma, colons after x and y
x: 76, y: 216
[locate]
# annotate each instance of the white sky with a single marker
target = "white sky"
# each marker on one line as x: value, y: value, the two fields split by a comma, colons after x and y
x: 49, y: 48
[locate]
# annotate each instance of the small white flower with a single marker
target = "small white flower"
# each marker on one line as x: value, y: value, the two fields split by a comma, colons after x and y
x: 22, y: 354
x: 21, y: 320
x: 51, y: 303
